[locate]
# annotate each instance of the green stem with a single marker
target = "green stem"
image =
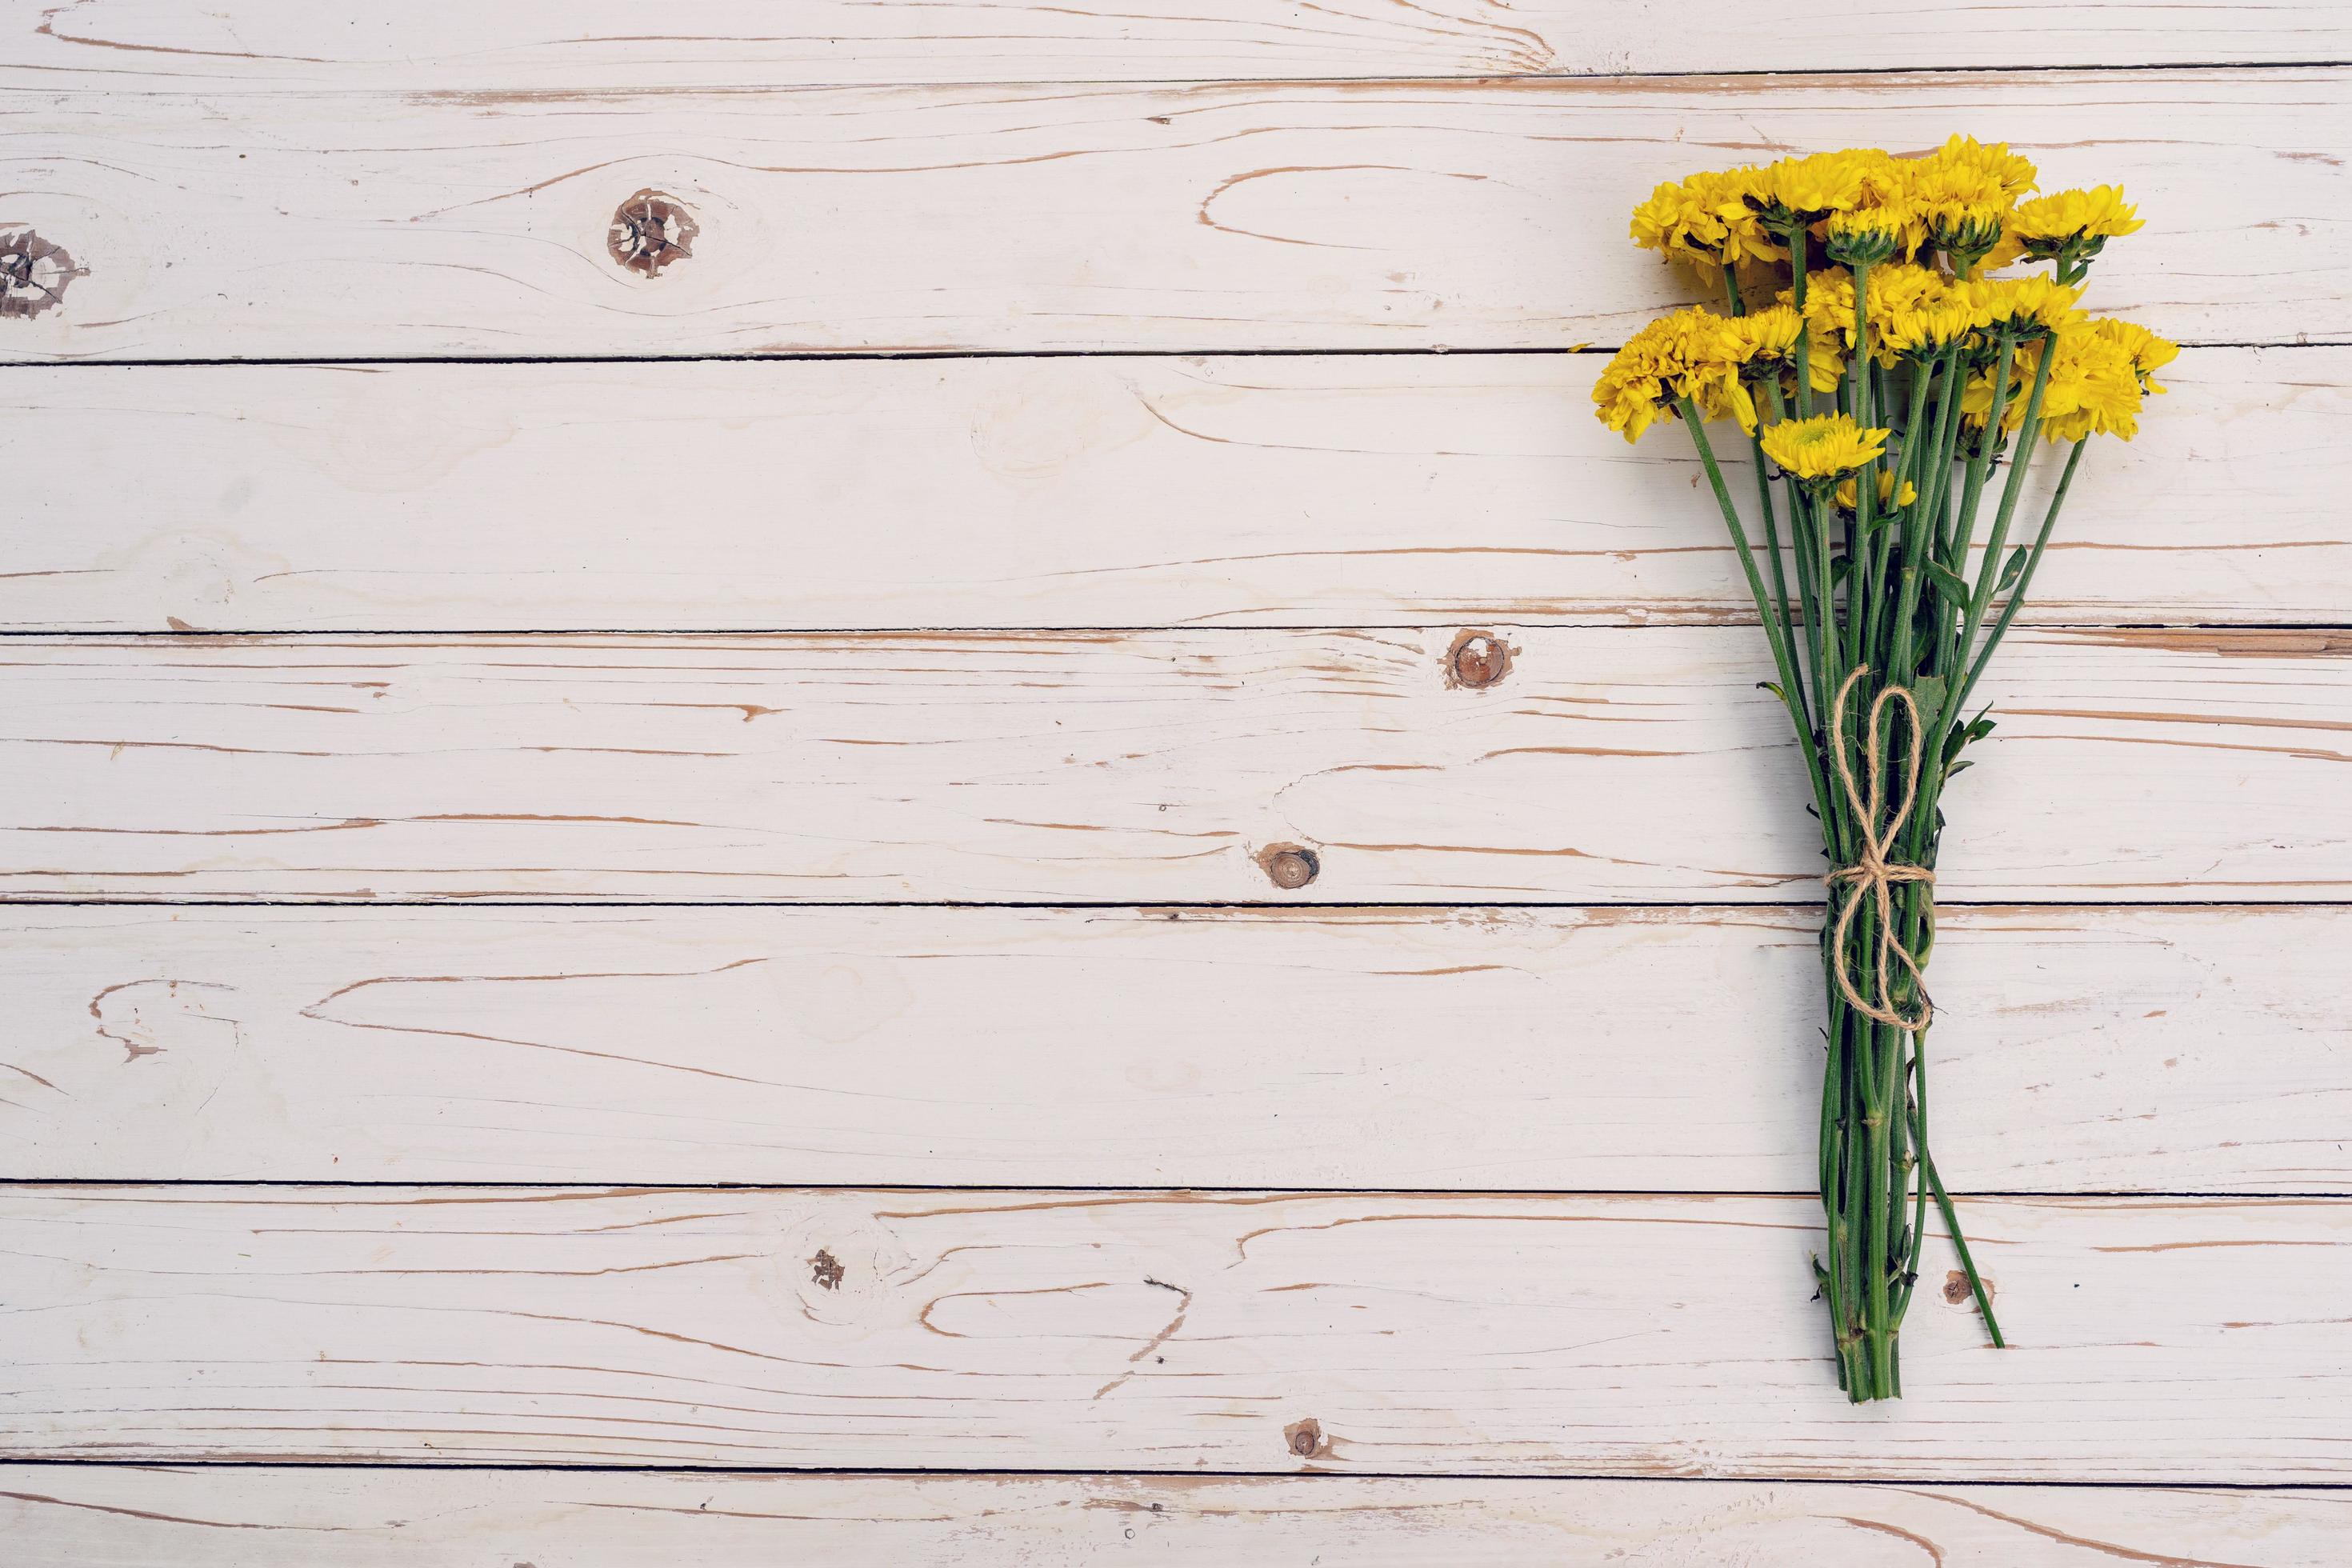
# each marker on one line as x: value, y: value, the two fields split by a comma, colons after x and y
x: 1774, y: 632
x: 2019, y: 460
x: 2024, y: 578
x: 1964, y: 527
x: 1898, y: 658
x: 1919, y: 1157
x: 1796, y: 235
x: 1865, y: 481
x: 1968, y: 1263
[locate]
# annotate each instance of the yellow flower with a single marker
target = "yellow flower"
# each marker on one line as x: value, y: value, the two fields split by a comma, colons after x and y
x: 1769, y: 336
x: 2094, y: 388
x: 2148, y: 352
x: 1930, y: 326
x: 1823, y: 182
x: 1901, y: 297
x: 1671, y: 222
x: 1824, y: 448
x: 1632, y: 393
x: 1964, y: 191
x: 1869, y: 236
x: 1967, y: 230
x: 1846, y: 491
x: 1705, y: 220
x: 1725, y: 192
x: 2048, y: 224
x: 2035, y: 304
x: 1965, y: 169
x: 1692, y: 353
x: 1976, y: 396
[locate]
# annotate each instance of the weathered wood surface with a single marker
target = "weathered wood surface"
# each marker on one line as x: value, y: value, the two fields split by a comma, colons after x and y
x: 1338, y: 491
x: 2153, y: 1339
x: 2075, y: 1050
x: 117, y: 1516
x: 569, y: 45
x: 1607, y: 765
x: 1228, y: 215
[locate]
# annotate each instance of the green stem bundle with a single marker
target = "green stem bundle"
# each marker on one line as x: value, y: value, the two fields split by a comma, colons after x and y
x: 1897, y: 605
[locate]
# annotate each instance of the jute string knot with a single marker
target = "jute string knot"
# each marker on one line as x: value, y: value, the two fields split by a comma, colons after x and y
x: 1872, y: 876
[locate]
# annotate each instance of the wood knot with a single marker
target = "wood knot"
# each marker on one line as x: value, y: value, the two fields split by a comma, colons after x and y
x: 1288, y: 866
x: 651, y: 230
x: 1304, y: 1439
x: 1956, y: 1288
x: 825, y: 1269
x: 1478, y: 661
x: 33, y: 274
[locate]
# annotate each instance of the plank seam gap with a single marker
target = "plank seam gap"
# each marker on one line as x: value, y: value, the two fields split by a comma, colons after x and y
x: 1464, y: 78
x: 804, y: 356
x: 64, y: 634
x: 2251, y: 906
x: 1331, y: 1477
x: 1162, y: 1192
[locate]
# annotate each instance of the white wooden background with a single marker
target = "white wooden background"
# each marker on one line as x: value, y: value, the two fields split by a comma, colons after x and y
x: 637, y: 919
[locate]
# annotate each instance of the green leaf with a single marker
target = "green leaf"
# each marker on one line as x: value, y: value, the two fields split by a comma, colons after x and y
x: 1928, y: 692
x: 1959, y: 767
x: 1948, y: 583
x: 2015, y: 566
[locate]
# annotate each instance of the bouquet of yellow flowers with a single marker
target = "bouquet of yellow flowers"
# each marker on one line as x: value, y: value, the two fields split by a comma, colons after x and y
x: 1884, y: 380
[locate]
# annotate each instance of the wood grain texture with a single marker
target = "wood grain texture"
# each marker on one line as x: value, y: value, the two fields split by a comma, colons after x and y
x: 1374, y: 214
x: 2075, y: 1050
x: 559, y: 44
x: 114, y: 1517
x: 2153, y: 1339
x: 1340, y: 491
x: 1607, y: 766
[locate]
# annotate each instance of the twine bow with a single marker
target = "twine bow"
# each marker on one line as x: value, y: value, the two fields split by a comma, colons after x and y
x: 1871, y: 875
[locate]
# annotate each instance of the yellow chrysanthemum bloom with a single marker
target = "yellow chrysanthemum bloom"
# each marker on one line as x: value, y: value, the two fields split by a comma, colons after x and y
x: 1976, y: 396
x: 1964, y: 191
x: 1932, y: 324
x: 2033, y: 304
x: 1825, y: 349
x: 1691, y: 354
x: 1967, y: 231
x: 1901, y: 296
x: 1846, y: 491
x: 1633, y: 391
x: 1725, y: 192
x: 1869, y: 236
x: 1964, y: 164
x: 1676, y: 223
x: 1705, y: 220
x: 1822, y: 182
x: 1769, y: 335
x: 2148, y: 352
x: 2094, y: 388
x: 2047, y: 223
x: 1824, y: 447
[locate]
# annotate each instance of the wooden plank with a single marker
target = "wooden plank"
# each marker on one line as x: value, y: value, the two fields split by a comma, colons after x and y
x: 2154, y: 1339
x: 256, y: 1517
x: 1374, y: 214
x: 1341, y: 491
x: 559, y: 44
x: 2076, y: 1050
x: 1606, y: 767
